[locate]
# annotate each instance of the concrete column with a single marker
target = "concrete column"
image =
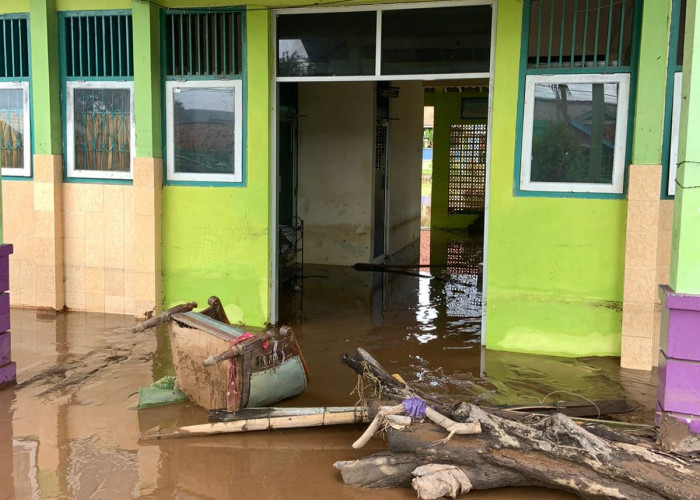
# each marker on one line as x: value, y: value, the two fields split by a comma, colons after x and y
x: 46, y: 243
x: 148, y: 164
x: 640, y: 303
x: 679, y: 359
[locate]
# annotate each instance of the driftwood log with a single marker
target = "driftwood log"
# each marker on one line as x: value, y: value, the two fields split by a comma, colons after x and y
x: 590, y: 460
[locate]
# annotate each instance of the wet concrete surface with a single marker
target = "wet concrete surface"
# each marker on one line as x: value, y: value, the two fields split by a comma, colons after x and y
x: 69, y: 428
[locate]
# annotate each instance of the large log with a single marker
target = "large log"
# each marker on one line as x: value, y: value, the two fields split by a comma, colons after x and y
x: 524, y: 450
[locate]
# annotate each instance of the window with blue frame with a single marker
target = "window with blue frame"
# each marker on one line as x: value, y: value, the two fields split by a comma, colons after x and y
x: 97, y: 82
x: 203, y: 65
x: 674, y: 84
x: 15, y: 129
x: 576, y: 73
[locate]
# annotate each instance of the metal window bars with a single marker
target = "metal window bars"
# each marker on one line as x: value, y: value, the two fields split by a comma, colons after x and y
x: 202, y: 44
x: 14, y: 47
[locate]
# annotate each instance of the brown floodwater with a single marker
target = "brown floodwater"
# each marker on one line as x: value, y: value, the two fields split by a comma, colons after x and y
x: 69, y: 429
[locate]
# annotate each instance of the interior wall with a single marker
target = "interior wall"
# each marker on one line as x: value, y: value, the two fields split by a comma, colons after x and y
x: 405, y: 162
x: 336, y: 149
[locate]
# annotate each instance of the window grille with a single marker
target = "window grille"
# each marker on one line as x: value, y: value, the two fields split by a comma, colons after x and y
x: 581, y: 34
x: 202, y: 44
x: 98, y: 45
x: 467, y: 171
x: 14, y: 48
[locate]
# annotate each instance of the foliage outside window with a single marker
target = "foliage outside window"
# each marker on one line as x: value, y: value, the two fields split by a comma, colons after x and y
x: 100, y: 129
x: 204, y: 130
x: 574, y: 133
x: 15, y: 147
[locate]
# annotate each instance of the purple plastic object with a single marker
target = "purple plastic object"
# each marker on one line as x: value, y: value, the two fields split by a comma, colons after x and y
x: 5, y: 347
x: 5, y: 251
x: 678, y: 389
x: 414, y: 407
x: 8, y: 374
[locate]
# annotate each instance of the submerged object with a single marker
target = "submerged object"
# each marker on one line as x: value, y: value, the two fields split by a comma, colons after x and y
x: 222, y: 366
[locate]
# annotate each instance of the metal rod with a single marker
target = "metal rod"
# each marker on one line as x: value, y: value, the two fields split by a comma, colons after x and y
x: 182, y: 49
x: 199, y: 48
x: 129, y: 44
x: 215, y: 41
x: 22, y: 45
x: 585, y: 37
x: 171, y: 20
x: 119, y: 35
x: 224, y: 28
x: 96, y: 55
x: 539, y: 34
x: 206, y: 41
x: 189, y: 42
x: 607, y: 45
x: 573, y: 34
x: 104, y: 48
x: 80, y: 45
x: 622, y: 34
x: 597, y: 31
x: 551, y: 30
x: 561, y: 33
x: 12, y: 45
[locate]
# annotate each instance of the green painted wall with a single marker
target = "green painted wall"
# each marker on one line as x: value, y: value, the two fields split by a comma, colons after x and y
x: 685, y: 256
x: 43, y: 29
x: 448, y: 110
x: 216, y: 239
x: 555, y: 265
x: 651, y: 87
x: 93, y: 4
x: 147, y: 82
x: 14, y: 6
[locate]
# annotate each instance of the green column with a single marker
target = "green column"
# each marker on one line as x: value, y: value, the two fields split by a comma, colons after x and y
x: 43, y: 32
x: 147, y: 85
x: 685, y: 253
x: 651, y: 83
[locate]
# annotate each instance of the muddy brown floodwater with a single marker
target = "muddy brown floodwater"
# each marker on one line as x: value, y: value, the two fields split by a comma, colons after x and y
x: 69, y: 428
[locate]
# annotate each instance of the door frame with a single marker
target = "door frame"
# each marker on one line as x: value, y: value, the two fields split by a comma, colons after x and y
x: 274, y: 127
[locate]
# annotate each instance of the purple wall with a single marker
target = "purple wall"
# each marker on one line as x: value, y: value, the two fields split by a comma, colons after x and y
x: 8, y: 370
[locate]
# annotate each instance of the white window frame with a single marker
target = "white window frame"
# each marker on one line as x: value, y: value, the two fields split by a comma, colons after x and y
x: 675, y: 126
x: 72, y: 172
x: 25, y: 171
x: 237, y: 86
x: 618, y: 173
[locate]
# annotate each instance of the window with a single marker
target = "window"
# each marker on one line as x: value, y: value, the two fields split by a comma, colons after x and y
x: 466, y: 177
x: 204, y: 96
x: 15, y: 147
x: 675, y: 125
x: 100, y: 129
x: 577, y: 67
x: 384, y: 40
x: 574, y: 133
x: 15, y: 131
x: 204, y: 125
x: 97, y: 74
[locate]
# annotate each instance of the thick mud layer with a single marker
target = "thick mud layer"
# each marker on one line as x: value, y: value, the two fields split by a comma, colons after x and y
x: 69, y: 428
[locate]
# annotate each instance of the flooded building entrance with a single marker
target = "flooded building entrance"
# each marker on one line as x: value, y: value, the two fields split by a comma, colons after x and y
x: 351, y: 174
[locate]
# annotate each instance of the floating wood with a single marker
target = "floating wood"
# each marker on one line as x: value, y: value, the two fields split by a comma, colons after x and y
x: 260, y: 419
x: 517, y: 449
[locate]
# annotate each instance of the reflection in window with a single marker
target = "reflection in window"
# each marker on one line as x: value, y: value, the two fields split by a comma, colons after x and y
x: 102, y: 129
x: 12, y: 129
x: 326, y: 44
x: 573, y: 138
x: 445, y: 40
x: 204, y: 125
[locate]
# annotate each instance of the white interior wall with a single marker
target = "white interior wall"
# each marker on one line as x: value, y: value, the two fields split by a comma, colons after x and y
x: 335, y: 159
x: 405, y: 164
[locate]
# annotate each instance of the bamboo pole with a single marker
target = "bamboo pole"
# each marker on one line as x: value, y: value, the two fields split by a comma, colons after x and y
x: 276, y: 418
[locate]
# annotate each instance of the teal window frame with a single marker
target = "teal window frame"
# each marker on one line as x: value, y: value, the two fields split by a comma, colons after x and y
x: 80, y: 176
x: 672, y: 105
x: 605, y: 69
x: 24, y: 82
x: 212, y: 180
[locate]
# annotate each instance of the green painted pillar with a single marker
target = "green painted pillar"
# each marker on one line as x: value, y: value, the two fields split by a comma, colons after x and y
x: 685, y: 252
x: 43, y: 34
x: 147, y: 84
x: 651, y: 83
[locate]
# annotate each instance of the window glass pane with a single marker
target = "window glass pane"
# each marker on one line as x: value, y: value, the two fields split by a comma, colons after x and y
x: 573, y: 134
x: 445, y: 40
x: 11, y: 128
x: 326, y: 44
x: 204, y: 130
x: 102, y: 121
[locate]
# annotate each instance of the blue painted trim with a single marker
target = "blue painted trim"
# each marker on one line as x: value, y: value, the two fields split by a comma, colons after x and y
x: 243, y: 76
x: 524, y: 72
x: 86, y: 180
x: 16, y: 178
x: 89, y: 13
